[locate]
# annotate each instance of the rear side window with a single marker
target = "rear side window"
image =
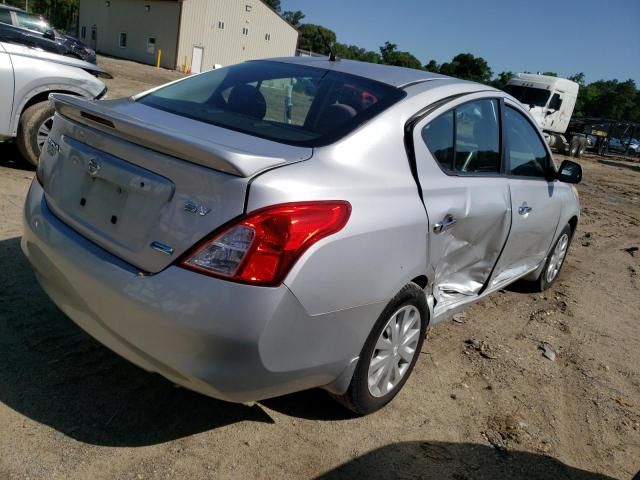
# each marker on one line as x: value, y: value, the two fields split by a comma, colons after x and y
x: 526, y: 154
x: 466, y: 140
x: 438, y: 135
x: 287, y: 103
x: 5, y: 16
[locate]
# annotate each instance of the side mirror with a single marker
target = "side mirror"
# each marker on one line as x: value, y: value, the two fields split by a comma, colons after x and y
x: 550, y: 111
x: 570, y: 172
x: 49, y: 34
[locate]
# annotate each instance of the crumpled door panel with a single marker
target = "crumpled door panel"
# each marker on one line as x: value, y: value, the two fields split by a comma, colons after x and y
x: 463, y: 256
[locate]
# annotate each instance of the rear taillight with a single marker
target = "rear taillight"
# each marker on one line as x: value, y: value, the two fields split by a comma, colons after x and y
x: 261, y: 247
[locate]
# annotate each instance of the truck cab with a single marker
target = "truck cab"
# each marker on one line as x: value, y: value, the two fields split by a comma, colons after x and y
x: 550, y: 101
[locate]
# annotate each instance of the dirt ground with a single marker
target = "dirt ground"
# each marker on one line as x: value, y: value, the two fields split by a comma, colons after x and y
x: 69, y: 408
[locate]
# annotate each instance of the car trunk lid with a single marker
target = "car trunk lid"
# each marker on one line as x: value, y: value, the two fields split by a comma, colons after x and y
x: 144, y: 186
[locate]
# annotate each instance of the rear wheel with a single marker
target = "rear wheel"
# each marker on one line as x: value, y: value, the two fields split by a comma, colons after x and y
x: 33, y: 130
x: 390, y: 352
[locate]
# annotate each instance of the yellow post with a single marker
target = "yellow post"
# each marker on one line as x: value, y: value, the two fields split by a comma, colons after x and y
x: 184, y: 65
x: 159, y: 57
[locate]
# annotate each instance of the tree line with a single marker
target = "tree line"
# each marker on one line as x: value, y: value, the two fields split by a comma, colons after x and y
x: 613, y: 99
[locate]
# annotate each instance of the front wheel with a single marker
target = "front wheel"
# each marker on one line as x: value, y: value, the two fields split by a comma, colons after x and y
x: 390, y: 352
x: 33, y: 130
x: 555, y: 261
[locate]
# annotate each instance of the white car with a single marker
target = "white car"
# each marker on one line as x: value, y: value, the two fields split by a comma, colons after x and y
x: 32, y: 75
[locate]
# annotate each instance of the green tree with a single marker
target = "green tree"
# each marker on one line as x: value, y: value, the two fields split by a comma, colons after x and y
x: 432, y: 66
x: 467, y: 67
x: 390, y: 55
x: 578, y: 78
x: 353, y: 52
x: 610, y: 99
x: 274, y: 4
x: 60, y: 13
x: 501, y: 80
x: 310, y: 39
x: 294, y: 18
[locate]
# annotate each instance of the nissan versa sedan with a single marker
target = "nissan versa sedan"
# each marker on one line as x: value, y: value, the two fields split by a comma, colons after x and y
x: 292, y: 223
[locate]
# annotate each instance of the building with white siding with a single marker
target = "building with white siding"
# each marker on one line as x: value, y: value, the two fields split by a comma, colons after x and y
x: 193, y: 35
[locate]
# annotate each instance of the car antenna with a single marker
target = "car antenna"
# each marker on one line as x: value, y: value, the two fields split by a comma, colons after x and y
x: 332, y: 56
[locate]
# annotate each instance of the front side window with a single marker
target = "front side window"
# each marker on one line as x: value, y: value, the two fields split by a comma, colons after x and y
x: 32, y: 22
x: 526, y: 154
x: 287, y: 103
x: 555, y: 102
x: 466, y: 140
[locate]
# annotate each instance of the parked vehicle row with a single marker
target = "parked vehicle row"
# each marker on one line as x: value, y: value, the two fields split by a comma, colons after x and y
x: 630, y: 146
x: 27, y: 77
x: 23, y: 28
x: 244, y: 250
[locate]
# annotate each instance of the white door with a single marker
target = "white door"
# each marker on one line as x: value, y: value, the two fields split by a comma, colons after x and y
x: 196, y: 59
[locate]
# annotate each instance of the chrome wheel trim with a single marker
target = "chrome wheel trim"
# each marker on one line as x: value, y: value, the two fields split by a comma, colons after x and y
x: 394, y: 351
x: 557, y: 257
x: 43, y: 132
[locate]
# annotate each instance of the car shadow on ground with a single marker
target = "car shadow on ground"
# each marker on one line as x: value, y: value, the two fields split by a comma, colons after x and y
x: 11, y: 158
x: 459, y: 461
x: 54, y: 373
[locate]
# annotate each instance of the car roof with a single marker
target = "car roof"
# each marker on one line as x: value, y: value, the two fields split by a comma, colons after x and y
x: 395, y: 76
x: 9, y: 7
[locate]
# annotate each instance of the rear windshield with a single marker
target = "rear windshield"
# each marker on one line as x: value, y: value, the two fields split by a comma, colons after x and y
x: 536, y: 97
x: 287, y: 103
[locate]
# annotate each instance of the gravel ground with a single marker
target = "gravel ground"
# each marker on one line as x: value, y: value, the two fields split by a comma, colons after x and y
x: 71, y: 409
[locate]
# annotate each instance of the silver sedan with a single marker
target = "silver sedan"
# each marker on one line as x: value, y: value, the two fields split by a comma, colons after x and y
x: 293, y: 223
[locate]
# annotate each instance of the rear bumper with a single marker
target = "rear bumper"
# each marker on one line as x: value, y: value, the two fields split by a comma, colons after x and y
x: 230, y: 341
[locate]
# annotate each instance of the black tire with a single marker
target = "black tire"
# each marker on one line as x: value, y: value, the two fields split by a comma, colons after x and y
x: 582, y: 146
x: 30, y: 122
x: 574, y: 146
x: 357, y: 398
x: 542, y: 283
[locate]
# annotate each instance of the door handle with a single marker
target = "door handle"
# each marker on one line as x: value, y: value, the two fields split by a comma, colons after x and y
x: 524, y: 209
x: 445, y: 224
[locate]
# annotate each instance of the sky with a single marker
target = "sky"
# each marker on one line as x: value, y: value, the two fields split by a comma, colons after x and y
x: 598, y: 37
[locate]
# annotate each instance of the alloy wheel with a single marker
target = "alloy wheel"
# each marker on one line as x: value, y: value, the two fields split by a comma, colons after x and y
x: 394, y: 351
x: 43, y: 132
x: 557, y: 257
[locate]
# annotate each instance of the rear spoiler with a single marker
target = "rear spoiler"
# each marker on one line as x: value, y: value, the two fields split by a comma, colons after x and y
x: 99, y: 116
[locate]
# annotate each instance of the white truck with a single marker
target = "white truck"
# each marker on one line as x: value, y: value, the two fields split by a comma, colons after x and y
x: 550, y: 101
x: 27, y: 77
